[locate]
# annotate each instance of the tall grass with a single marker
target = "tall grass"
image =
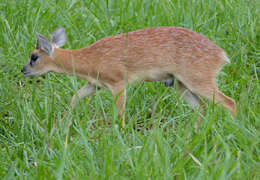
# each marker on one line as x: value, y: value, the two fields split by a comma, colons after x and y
x: 38, y: 142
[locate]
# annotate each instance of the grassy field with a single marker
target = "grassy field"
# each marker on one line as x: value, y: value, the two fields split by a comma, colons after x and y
x: 37, y: 142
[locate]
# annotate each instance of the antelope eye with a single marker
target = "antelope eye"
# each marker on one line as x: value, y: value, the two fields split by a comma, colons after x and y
x: 34, y: 57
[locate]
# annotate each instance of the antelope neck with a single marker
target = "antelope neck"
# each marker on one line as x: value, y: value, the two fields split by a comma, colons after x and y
x: 73, y: 62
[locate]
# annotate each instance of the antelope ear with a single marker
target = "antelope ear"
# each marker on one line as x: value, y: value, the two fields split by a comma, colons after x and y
x: 44, y: 44
x: 59, y: 37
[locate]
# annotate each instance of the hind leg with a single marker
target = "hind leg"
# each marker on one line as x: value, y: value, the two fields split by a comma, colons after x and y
x: 211, y: 92
x: 226, y: 101
x: 191, y: 98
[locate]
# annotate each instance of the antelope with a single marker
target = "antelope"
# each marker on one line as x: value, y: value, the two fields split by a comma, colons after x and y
x: 153, y: 54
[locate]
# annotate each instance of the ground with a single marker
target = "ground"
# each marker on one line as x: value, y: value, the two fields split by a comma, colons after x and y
x: 159, y: 142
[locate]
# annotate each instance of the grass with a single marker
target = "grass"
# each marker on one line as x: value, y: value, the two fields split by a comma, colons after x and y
x: 37, y: 142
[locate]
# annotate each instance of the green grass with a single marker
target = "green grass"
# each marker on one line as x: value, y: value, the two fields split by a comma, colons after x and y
x: 37, y: 143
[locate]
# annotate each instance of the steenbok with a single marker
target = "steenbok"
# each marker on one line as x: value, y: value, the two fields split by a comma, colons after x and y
x: 153, y: 54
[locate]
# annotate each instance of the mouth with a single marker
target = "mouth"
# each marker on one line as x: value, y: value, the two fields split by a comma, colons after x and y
x: 29, y: 74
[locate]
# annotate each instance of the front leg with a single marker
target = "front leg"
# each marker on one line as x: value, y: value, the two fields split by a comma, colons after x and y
x: 86, y: 90
x: 119, y: 93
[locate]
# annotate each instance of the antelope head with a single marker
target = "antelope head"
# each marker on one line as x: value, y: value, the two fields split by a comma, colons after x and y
x: 42, y: 58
